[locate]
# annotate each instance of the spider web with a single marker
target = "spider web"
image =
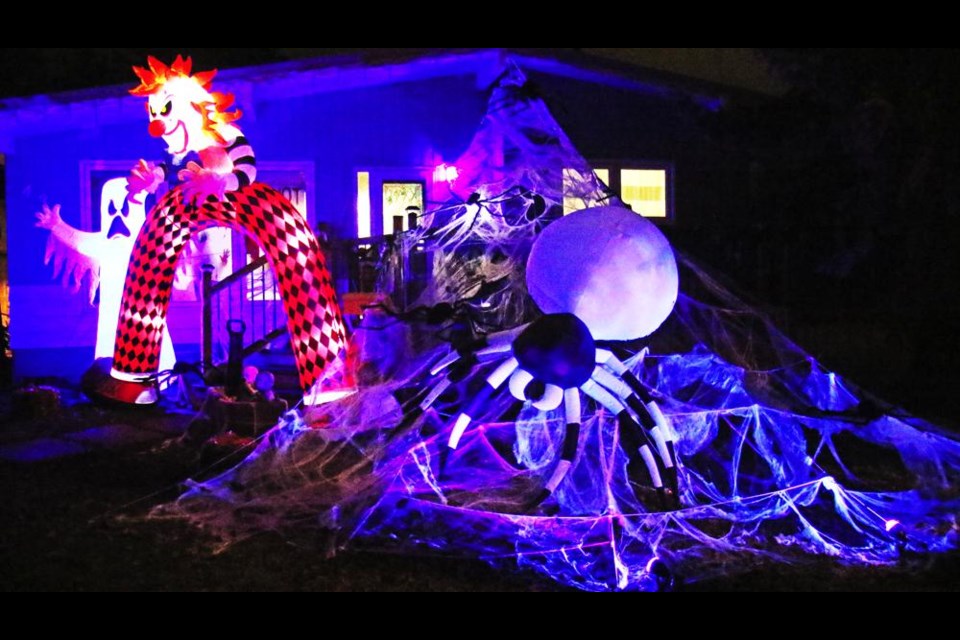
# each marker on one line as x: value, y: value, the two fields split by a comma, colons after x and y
x: 780, y: 458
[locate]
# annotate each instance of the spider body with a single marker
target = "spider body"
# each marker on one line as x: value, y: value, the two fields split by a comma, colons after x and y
x: 606, y: 273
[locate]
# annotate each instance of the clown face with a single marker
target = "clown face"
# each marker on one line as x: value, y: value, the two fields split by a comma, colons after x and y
x: 175, y: 116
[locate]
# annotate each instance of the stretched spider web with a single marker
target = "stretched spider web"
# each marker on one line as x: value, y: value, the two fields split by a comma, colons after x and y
x: 779, y: 457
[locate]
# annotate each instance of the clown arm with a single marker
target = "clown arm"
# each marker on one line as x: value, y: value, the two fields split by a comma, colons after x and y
x: 236, y: 163
x: 244, y: 164
x: 144, y: 177
x: 224, y: 169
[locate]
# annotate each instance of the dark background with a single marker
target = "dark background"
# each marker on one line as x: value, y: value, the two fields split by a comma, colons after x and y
x: 25, y: 71
x: 855, y: 179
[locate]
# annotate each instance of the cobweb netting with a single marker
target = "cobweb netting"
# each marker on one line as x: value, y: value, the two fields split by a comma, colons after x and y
x: 779, y: 458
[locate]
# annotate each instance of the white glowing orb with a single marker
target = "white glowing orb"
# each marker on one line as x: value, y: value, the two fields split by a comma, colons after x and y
x: 610, y: 267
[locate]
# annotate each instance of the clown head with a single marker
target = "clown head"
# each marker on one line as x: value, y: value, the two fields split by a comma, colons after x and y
x: 182, y: 109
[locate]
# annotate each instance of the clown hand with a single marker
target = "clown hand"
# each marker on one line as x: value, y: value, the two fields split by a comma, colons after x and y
x: 143, y: 177
x: 200, y: 183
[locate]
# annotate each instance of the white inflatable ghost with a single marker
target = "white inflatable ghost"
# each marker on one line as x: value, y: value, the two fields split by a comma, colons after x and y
x: 101, y: 259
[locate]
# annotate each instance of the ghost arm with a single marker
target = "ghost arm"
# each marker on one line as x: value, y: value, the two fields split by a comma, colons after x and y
x: 89, y: 245
x: 74, y: 253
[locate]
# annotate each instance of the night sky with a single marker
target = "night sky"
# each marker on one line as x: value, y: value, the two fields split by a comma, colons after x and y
x: 30, y: 71
x: 49, y: 70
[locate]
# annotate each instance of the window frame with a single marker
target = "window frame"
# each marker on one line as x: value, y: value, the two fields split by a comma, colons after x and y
x: 423, y: 198
x: 617, y: 166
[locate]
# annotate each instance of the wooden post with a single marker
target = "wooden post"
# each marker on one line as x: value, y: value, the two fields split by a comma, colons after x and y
x: 206, y: 337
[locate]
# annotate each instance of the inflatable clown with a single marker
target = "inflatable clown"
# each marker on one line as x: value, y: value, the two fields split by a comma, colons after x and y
x: 211, y: 169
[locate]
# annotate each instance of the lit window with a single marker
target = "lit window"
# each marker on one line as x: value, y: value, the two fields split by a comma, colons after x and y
x: 402, y: 206
x: 363, y: 204
x: 604, y: 175
x: 579, y: 193
x: 645, y: 191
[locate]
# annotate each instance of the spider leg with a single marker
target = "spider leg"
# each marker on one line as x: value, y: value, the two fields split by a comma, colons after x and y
x: 571, y: 441
x: 649, y: 413
x: 607, y: 359
x: 630, y: 435
x: 623, y: 391
x: 458, y: 364
x: 652, y: 431
x: 494, y: 381
x: 665, y: 445
x: 484, y: 349
x: 450, y: 359
x: 418, y: 404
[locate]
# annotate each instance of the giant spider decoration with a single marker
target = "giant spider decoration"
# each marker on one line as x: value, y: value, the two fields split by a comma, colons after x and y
x: 600, y: 275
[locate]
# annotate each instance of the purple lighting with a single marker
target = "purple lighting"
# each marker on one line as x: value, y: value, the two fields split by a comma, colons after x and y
x: 744, y: 428
x: 445, y: 173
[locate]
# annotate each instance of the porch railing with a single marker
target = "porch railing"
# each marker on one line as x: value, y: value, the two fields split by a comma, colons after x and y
x: 250, y: 294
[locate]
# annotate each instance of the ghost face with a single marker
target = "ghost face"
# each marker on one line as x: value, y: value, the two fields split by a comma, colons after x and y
x: 175, y: 118
x: 119, y: 217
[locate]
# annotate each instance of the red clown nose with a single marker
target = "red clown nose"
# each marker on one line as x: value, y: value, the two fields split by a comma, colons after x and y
x: 157, y: 129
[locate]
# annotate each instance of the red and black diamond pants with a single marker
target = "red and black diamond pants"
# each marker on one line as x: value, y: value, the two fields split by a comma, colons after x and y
x: 314, y: 318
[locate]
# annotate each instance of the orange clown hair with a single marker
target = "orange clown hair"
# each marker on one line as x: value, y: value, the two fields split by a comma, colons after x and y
x: 214, y: 111
x: 158, y: 74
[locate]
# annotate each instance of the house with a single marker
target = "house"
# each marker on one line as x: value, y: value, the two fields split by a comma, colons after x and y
x: 358, y: 144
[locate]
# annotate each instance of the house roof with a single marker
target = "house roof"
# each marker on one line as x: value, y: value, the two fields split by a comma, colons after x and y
x: 365, y: 68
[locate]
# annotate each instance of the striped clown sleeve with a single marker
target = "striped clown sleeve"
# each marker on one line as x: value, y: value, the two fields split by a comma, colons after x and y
x: 244, y: 164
